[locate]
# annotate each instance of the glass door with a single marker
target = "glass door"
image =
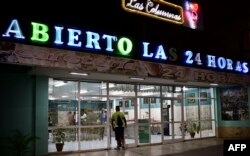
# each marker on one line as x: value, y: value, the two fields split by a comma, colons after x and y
x: 149, y: 120
x: 123, y: 95
x: 127, y: 106
x: 143, y: 120
x: 172, y: 112
x: 149, y: 114
x: 93, y: 123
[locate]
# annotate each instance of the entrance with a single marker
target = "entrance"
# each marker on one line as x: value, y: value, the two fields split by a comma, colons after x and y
x: 149, y: 120
x: 172, y: 115
x: 128, y: 107
x: 154, y: 113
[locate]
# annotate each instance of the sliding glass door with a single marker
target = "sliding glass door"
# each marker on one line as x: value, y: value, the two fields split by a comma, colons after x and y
x: 172, y: 113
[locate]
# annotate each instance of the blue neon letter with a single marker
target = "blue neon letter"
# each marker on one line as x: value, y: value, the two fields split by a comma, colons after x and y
x: 58, y: 39
x: 14, y: 28
x: 74, y: 38
x: 145, y: 50
x: 109, y: 41
x: 92, y: 38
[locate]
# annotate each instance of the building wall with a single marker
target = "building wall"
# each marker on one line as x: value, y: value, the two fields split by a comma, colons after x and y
x: 41, y: 114
x: 24, y: 105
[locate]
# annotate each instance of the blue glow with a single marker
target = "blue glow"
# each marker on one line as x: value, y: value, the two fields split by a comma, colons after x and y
x: 58, y: 38
x: 160, y: 53
x: 198, y: 58
x: 74, y: 37
x: 189, y: 55
x: 92, y: 39
x: 145, y: 50
x: 109, y: 41
x: 221, y: 62
x: 245, y: 67
x: 238, y: 66
x: 211, y: 61
x: 229, y: 64
x: 14, y: 28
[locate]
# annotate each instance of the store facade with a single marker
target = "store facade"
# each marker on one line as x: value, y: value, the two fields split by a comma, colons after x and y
x: 57, y: 71
x: 155, y: 113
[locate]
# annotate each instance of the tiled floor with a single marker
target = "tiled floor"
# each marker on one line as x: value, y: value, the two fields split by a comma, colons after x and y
x: 102, y: 143
x: 156, y: 150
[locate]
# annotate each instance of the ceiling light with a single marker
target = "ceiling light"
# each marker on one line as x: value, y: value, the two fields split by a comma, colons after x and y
x: 184, y: 88
x: 116, y: 93
x: 83, y: 91
x: 104, y: 86
x: 82, y: 74
x: 51, y: 98
x: 137, y: 78
x: 60, y: 83
x: 147, y: 88
x: 213, y: 84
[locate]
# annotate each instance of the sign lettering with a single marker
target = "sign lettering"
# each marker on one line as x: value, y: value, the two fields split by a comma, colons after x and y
x: 158, y: 9
x: 90, y: 41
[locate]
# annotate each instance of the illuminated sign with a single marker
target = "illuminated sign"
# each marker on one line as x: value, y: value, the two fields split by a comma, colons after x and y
x: 187, y: 13
x: 89, y: 41
x: 192, y: 15
x: 158, y: 9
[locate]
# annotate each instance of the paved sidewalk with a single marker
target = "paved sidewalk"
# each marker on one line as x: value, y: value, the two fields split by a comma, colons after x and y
x: 204, y: 147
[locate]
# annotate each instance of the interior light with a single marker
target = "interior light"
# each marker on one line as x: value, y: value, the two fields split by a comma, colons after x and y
x: 177, y: 89
x: 59, y: 83
x: 82, y: 74
x: 104, y: 86
x: 184, y: 88
x: 51, y: 98
x: 116, y: 93
x: 137, y: 78
x: 213, y: 84
x: 83, y: 91
x: 147, y: 88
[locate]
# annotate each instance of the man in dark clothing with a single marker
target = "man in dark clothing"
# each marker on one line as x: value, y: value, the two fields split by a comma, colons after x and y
x: 119, y: 122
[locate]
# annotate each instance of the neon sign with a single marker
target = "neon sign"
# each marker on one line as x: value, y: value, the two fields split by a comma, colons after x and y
x: 191, y: 14
x: 89, y: 41
x: 187, y: 14
x: 158, y: 9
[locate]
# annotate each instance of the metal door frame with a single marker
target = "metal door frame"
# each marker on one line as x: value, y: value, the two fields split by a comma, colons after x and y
x: 172, y: 122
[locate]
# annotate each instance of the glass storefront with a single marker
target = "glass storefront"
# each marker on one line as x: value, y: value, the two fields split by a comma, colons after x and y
x: 199, y: 112
x: 154, y: 113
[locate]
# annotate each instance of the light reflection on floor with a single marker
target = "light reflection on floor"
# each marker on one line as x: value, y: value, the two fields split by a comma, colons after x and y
x: 96, y: 144
x: 103, y: 143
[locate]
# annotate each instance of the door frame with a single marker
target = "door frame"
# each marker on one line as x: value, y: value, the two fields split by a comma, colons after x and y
x: 171, y: 121
x: 122, y: 109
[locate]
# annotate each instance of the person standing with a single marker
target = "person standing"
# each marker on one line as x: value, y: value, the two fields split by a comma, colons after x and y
x: 119, y: 122
x: 83, y: 117
x: 71, y: 118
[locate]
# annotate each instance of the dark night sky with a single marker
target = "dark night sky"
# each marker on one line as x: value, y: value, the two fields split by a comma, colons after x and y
x: 225, y: 22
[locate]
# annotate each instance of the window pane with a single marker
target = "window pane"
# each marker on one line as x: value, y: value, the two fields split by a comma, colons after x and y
x: 121, y: 89
x: 89, y: 88
x: 148, y: 90
x: 93, y: 111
